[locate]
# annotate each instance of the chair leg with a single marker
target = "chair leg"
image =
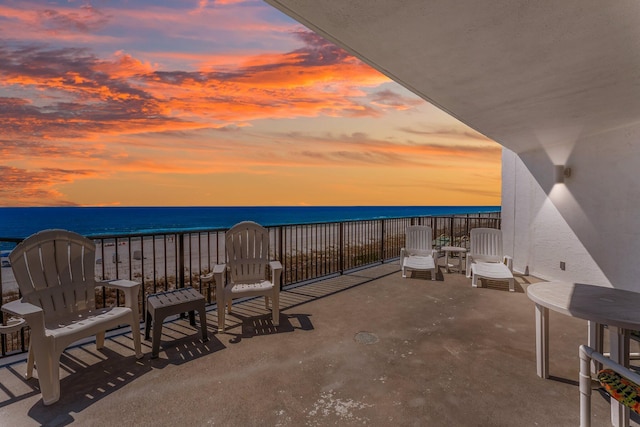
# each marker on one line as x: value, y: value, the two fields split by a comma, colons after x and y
x: 30, y: 363
x: 221, y: 314
x: 275, y: 310
x: 595, y: 341
x: 474, y: 280
x: 147, y: 326
x: 266, y: 302
x: 100, y: 340
x: 135, y: 334
x: 512, y: 285
x: 585, y: 389
x: 203, y: 323
x: 157, y: 335
x: 48, y: 362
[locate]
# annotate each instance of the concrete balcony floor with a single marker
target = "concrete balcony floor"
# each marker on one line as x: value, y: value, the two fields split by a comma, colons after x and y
x: 365, y: 348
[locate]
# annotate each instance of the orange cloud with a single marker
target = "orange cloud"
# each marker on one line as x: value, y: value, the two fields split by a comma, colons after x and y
x: 97, y: 116
x: 22, y: 187
x: 91, y: 96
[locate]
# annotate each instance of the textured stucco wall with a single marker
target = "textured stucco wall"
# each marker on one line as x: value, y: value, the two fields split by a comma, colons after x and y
x: 536, y: 234
x: 591, y: 221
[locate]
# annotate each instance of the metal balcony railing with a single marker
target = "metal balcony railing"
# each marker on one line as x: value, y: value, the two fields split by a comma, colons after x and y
x: 308, y: 252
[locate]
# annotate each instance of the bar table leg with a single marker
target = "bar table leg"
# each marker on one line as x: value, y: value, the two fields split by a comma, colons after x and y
x: 542, y: 341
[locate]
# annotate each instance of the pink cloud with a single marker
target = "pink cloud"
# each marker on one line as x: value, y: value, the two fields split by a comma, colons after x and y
x: 89, y: 95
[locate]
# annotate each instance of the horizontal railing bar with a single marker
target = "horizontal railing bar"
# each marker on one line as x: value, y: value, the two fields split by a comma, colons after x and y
x: 218, y: 229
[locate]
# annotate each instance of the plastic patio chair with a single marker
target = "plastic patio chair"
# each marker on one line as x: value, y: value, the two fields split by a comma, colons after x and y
x: 418, y: 253
x: 485, y: 257
x: 247, y: 256
x: 54, y: 270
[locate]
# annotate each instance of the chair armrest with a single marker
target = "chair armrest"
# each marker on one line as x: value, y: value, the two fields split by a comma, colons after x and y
x: 128, y: 287
x: 33, y: 314
x: 218, y: 274
x: 276, y: 273
x: 587, y: 352
x: 275, y: 265
x: 21, y: 309
x: 121, y: 284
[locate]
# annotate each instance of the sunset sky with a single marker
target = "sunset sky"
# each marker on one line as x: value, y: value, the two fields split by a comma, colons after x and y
x: 214, y: 103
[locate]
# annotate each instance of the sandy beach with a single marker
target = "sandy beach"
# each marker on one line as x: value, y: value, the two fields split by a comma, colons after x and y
x: 155, y: 257
x: 308, y: 248
x: 129, y: 259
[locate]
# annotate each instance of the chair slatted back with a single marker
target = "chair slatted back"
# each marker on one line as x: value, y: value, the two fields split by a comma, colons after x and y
x: 418, y: 240
x: 486, y: 244
x: 247, y: 248
x: 55, y: 270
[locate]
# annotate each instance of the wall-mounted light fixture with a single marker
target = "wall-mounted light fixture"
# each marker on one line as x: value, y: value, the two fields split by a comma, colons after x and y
x: 561, y: 173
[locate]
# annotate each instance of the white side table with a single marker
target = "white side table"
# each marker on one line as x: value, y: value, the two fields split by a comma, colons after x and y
x: 453, y: 249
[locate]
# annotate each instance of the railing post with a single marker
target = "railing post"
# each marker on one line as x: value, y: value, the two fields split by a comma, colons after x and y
x: 382, y: 231
x: 451, y: 239
x: 155, y: 267
x: 341, y: 250
x: 280, y: 241
x: 281, y: 255
x: 142, y: 263
x: 466, y: 226
x: 166, y: 242
x: 117, y: 258
x: 180, y: 260
x: 117, y: 263
x: 143, y: 287
x: 130, y: 258
x: 3, y: 337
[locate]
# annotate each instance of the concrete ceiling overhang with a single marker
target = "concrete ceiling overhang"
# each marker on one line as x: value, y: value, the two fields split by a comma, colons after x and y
x: 527, y: 74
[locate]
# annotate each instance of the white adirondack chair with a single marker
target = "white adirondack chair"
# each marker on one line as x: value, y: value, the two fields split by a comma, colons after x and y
x: 485, y: 257
x: 247, y: 256
x: 54, y: 270
x: 418, y: 253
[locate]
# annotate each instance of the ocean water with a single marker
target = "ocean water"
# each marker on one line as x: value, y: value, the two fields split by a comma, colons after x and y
x: 93, y: 221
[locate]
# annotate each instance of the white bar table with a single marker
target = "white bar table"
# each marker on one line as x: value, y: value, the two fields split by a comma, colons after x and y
x: 600, y: 306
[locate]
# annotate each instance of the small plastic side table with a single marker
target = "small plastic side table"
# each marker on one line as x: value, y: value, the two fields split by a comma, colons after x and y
x: 177, y: 301
x: 453, y: 249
